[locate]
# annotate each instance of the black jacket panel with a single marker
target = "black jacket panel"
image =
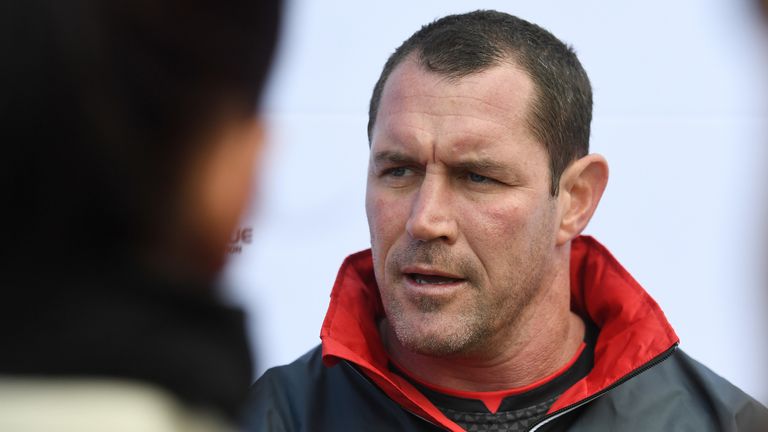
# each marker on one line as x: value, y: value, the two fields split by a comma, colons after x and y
x: 307, y: 396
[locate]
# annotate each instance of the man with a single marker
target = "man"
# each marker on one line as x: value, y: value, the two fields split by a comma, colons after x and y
x: 129, y: 134
x: 479, y: 305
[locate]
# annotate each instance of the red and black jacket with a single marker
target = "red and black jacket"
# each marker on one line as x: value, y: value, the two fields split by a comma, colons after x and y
x: 639, y: 380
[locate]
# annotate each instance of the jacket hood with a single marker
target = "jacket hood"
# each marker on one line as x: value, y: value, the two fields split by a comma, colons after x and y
x: 633, y: 329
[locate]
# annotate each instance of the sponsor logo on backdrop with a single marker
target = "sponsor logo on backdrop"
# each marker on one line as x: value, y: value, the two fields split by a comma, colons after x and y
x: 240, y: 238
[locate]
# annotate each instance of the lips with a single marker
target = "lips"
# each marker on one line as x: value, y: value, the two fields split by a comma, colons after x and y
x: 425, y: 276
x: 424, y: 279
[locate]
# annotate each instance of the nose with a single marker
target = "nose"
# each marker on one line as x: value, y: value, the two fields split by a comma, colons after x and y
x: 431, y: 213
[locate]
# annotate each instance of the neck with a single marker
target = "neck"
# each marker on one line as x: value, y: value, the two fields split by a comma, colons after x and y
x: 539, y: 342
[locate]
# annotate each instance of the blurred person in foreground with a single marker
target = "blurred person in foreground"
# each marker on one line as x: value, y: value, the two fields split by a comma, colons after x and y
x: 480, y: 306
x: 129, y: 135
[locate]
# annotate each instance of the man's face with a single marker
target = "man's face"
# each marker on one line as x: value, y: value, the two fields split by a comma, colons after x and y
x: 462, y: 222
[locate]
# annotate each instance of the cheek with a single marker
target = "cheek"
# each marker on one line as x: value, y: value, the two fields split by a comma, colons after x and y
x: 518, y: 220
x: 386, y: 218
x: 500, y: 232
x: 382, y: 226
x: 386, y: 225
x: 496, y: 222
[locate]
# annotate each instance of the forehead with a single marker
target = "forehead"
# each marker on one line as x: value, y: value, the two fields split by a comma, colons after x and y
x: 490, y: 105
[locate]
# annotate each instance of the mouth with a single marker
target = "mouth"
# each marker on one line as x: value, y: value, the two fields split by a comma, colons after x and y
x: 428, y: 279
x: 422, y: 277
x: 428, y: 289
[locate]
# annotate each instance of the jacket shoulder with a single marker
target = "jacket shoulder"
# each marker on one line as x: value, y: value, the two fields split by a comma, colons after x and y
x: 298, y: 374
x: 277, y: 397
x: 308, y: 396
x: 677, y: 394
x: 729, y: 406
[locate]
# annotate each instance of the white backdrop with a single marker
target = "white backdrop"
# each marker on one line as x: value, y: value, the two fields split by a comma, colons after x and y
x: 680, y: 90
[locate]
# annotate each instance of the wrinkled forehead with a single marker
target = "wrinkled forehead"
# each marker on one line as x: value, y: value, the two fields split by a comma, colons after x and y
x: 497, y: 97
x: 416, y: 75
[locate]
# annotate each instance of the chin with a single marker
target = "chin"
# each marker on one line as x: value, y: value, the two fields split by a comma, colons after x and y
x: 439, y: 337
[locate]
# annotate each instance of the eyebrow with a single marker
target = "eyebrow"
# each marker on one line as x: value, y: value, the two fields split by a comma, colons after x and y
x: 485, y: 165
x: 481, y: 165
x: 392, y: 157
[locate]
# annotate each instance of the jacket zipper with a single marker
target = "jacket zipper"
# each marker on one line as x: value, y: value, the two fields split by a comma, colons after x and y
x: 565, y: 410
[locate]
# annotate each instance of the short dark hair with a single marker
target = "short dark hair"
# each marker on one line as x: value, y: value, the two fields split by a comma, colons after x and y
x: 102, y: 101
x: 460, y: 45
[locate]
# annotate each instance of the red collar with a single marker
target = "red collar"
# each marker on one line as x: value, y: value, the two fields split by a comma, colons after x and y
x: 633, y: 329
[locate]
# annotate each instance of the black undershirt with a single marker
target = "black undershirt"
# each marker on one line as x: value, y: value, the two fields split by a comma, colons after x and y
x: 517, y: 412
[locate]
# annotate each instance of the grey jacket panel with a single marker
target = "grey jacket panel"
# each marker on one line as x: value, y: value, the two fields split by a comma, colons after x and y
x: 679, y: 394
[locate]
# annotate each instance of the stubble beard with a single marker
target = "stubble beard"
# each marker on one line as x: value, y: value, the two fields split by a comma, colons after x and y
x: 456, y: 334
x: 429, y: 326
x: 425, y: 326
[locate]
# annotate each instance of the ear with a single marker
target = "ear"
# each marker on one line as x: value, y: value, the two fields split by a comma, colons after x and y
x: 581, y: 187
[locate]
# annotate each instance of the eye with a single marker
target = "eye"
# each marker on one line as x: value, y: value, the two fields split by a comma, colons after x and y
x: 477, y: 178
x: 398, y: 176
x: 397, y: 172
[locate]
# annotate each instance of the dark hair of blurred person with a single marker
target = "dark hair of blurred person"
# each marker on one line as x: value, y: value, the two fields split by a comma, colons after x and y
x: 129, y: 134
